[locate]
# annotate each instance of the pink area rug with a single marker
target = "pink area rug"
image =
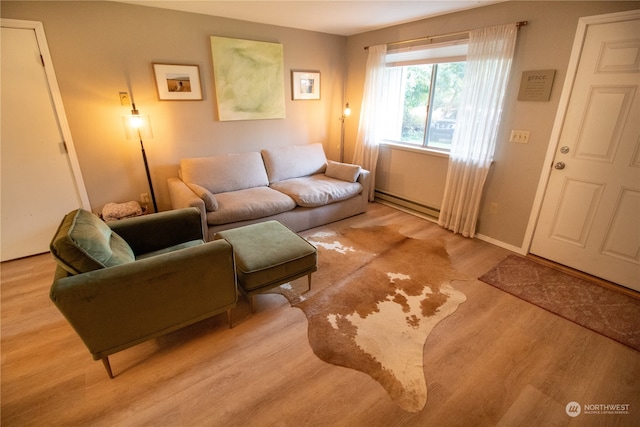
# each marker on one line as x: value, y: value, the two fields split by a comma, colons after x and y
x: 612, y: 314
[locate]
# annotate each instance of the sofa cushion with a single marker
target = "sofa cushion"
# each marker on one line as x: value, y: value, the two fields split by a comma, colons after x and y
x: 210, y: 202
x: 228, y: 172
x: 83, y: 242
x: 317, y: 190
x: 251, y: 203
x: 342, y: 171
x: 294, y: 161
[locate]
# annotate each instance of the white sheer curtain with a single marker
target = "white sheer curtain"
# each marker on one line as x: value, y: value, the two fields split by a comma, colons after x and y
x: 366, y: 150
x: 486, y: 77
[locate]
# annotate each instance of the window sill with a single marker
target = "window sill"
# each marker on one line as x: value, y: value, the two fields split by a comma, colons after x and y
x: 420, y: 150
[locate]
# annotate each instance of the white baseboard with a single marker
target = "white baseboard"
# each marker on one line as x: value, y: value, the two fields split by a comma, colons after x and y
x: 392, y: 202
x: 501, y: 244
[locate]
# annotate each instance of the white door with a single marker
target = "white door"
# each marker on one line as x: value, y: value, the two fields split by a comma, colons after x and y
x: 590, y: 215
x: 38, y: 185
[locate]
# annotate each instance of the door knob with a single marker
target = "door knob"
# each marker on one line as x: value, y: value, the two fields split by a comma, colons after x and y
x: 564, y: 149
x: 559, y: 165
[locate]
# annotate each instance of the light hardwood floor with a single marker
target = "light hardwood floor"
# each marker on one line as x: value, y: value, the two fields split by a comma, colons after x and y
x: 496, y: 361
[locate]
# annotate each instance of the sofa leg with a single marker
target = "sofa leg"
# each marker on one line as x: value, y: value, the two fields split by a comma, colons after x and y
x: 107, y: 366
x: 309, y: 282
x: 229, y: 318
x: 252, y: 303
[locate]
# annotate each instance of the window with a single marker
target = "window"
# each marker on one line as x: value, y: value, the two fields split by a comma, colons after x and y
x: 422, y: 94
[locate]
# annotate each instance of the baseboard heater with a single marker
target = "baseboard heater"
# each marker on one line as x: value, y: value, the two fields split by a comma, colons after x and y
x: 411, y: 205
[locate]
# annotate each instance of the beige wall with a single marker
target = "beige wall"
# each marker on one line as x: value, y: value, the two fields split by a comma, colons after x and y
x: 544, y: 44
x: 101, y: 48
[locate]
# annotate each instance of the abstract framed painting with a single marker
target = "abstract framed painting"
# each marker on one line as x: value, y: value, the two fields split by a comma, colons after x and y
x: 249, y: 79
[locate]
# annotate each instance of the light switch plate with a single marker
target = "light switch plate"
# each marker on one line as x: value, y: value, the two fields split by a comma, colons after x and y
x: 520, y: 136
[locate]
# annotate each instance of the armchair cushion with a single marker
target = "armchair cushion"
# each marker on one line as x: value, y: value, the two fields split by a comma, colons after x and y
x: 184, y: 245
x: 150, y: 233
x: 83, y: 242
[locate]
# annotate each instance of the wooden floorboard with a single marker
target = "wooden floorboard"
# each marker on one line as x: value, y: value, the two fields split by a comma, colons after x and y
x: 497, y: 360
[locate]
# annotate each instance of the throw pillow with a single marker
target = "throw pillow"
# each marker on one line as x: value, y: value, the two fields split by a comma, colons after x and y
x: 83, y: 242
x: 210, y: 202
x: 342, y: 171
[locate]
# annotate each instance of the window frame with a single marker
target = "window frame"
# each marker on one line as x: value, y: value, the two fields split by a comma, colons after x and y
x: 451, y: 51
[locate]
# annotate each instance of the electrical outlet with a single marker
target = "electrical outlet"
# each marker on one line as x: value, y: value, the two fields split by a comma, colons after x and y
x: 144, y: 197
x: 125, y: 101
x: 521, y: 136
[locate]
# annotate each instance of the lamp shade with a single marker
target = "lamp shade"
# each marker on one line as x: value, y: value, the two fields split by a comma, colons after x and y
x: 137, y: 126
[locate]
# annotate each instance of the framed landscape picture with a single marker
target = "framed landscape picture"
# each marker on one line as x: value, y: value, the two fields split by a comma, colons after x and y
x: 178, y: 82
x: 305, y: 85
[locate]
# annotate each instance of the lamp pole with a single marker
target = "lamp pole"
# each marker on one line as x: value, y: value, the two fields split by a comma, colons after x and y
x: 137, y: 124
x: 342, y: 139
x: 146, y: 167
x: 345, y: 114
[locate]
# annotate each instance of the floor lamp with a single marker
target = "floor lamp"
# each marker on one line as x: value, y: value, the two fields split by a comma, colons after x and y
x: 137, y: 125
x: 346, y: 113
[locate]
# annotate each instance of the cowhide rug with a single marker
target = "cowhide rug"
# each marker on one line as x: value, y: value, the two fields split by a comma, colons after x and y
x: 375, y: 298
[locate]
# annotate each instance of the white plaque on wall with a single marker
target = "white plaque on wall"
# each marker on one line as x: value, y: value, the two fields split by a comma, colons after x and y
x: 536, y: 85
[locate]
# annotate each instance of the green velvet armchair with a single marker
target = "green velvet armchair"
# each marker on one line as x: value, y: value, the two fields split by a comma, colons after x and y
x: 122, y: 283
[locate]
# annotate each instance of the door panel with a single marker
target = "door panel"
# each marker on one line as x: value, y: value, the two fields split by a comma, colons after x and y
x: 590, y: 214
x: 571, y: 225
x: 618, y: 242
x: 599, y: 139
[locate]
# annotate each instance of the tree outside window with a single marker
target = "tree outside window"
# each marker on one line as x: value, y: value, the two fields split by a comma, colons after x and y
x: 416, y: 114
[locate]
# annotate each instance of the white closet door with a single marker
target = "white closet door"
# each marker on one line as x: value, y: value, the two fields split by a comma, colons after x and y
x: 38, y: 185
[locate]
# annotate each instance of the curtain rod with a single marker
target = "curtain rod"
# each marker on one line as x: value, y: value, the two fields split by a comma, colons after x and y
x: 518, y: 24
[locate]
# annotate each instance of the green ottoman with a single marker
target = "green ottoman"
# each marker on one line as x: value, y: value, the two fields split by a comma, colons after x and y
x: 268, y: 254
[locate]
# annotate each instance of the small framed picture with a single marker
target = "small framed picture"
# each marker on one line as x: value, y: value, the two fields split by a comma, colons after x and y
x: 305, y: 85
x: 178, y: 82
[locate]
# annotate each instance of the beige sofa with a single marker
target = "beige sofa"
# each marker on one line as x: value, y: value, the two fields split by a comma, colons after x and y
x: 295, y: 185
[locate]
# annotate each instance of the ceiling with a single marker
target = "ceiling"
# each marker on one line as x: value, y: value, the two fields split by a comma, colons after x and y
x: 343, y: 18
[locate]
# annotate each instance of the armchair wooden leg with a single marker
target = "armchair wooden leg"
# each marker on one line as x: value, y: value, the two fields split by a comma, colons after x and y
x: 309, y: 282
x: 252, y: 303
x: 107, y: 366
x: 229, y: 319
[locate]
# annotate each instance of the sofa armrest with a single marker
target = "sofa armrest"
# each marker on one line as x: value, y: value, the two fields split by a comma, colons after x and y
x: 182, y: 196
x: 117, y: 307
x: 148, y: 233
x: 365, y: 179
